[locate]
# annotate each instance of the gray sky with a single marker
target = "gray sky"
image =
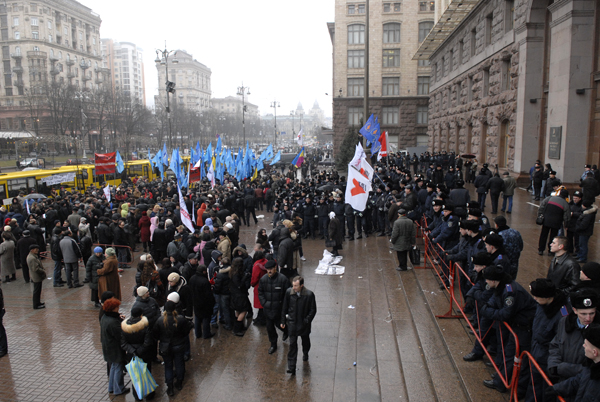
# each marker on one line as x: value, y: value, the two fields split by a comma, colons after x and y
x: 279, y: 49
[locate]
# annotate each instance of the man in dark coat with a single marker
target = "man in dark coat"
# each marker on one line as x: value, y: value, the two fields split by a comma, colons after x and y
x: 586, y: 385
x: 204, y: 302
x: 110, y: 336
x: 37, y: 273
x: 495, y: 185
x: 147, y: 304
x: 159, y: 242
x: 23, y: 250
x: 554, y: 211
x: 299, y: 309
x: 564, y: 269
x: 403, y: 238
x: 285, y: 256
x: 271, y: 293
x: 481, y: 184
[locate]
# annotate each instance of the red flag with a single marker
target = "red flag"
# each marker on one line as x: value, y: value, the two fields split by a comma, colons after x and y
x: 105, y: 163
x: 194, y: 175
x: 383, y: 142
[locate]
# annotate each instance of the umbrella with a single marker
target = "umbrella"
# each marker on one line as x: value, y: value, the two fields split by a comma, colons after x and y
x: 327, y: 188
x: 467, y: 156
x: 35, y: 196
x: 142, y: 207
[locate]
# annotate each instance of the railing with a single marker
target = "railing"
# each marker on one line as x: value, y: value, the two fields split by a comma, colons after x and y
x: 448, y: 272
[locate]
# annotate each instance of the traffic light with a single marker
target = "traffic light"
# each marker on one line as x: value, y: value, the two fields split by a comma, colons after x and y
x: 170, y: 87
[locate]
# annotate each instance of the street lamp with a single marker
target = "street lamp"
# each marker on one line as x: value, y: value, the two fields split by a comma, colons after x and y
x: 243, y: 91
x: 169, y: 86
x: 275, y: 105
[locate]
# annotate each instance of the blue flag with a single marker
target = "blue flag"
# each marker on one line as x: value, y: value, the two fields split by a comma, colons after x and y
x: 120, y: 164
x: 276, y: 158
x: 218, y: 148
x: 165, y: 155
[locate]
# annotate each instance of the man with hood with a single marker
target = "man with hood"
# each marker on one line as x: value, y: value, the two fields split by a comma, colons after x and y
x: 285, y: 256
x: 224, y: 245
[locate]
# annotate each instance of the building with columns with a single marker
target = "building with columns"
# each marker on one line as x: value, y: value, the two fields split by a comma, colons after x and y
x: 514, y: 81
x: 398, y: 87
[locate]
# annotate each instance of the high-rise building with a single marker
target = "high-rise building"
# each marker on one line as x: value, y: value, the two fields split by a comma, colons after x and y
x: 398, y: 86
x: 191, y: 78
x: 48, y: 41
x: 125, y: 62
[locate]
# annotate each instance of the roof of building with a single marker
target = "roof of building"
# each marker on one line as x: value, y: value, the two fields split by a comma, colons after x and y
x: 456, y: 12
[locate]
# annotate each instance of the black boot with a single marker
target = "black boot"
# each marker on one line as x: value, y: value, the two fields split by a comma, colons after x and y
x: 170, y: 390
x: 238, y: 328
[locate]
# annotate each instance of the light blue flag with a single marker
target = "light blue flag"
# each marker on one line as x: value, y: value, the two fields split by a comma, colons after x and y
x: 165, y: 155
x: 174, y: 165
x: 120, y: 164
x: 198, y: 150
x: 208, y: 155
x: 276, y: 158
x: 270, y: 151
x: 218, y: 148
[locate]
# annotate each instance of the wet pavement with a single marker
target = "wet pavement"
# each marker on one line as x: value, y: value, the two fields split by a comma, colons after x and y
x: 389, y: 347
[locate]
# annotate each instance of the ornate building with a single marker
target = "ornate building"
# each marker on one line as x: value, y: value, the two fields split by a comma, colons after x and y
x: 517, y: 80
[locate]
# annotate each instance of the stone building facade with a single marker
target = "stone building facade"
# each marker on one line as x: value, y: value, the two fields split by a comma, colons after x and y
x: 398, y: 86
x: 516, y: 81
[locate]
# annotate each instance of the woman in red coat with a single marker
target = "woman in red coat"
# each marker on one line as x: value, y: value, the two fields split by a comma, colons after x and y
x: 199, y: 213
x: 258, y: 270
x: 144, y: 225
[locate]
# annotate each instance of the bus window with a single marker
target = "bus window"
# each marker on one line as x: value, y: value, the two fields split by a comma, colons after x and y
x: 2, y: 192
x: 17, y: 185
x: 31, y: 184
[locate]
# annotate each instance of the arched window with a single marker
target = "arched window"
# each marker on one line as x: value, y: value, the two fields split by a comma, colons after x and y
x: 51, y: 52
x: 504, y: 144
x: 60, y: 55
x: 424, y: 28
x: 356, y: 34
x: 18, y: 50
x: 391, y: 32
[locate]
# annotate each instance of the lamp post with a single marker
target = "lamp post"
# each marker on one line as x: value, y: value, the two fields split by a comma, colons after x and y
x: 293, y: 131
x: 243, y: 91
x: 169, y: 86
x: 275, y: 105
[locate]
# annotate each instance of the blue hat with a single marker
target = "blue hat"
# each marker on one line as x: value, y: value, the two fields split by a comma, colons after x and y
x: 98, y: 250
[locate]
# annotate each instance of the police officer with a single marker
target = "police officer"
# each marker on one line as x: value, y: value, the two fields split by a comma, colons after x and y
x: 339, y: 209
x: 310, y: 216
x: 511, y: 304
x: 323, y: 209
x: 349, y: 213
x: 381, y: 209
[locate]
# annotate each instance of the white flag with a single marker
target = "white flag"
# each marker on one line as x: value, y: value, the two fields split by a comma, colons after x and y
x: 211, y: 175
x: 300, y: 138
x: 107, y: 192
x: 357, y: 189
x: 359, y: 154
x: 185, y: 215
x: 366, y: 169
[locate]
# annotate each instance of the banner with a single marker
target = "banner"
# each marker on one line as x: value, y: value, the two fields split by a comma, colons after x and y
x: 185, y: 215
x: 107, y: 192
x: 195, y: 174
x: 357, y: 189
x: 58, y: 178
x: 105, y: 163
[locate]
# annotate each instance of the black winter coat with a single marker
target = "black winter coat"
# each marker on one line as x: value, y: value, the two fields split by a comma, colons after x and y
x: 495, y: 185
x: 285, y: 253
x: 105, y: 235
x: 545, y: 325
x: 585, y: 222
x: 585, y: 387
x: 159, y: 240
x: 169, y: 333
x: 271, y: 293
x: 150, y: 308
x: 298, y: 311
x: 136, y: 339
x: 238, y: 289
x: 564, y: 272
x: 110, y: 335
x: 202, y: 295
x: 481, y: 183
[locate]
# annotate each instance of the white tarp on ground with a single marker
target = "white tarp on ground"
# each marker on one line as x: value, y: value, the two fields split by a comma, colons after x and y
x: 58, y: 178
x: 329, y: 265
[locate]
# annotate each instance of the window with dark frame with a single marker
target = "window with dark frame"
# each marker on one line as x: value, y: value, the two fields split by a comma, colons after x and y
x: 423, y: 86
x: 356, y: 86
x: 356, y: 34
x: 389, y: 115
x: 391, y: 32
x: 391, y: 86
x: 391, y: 57
x: 356, y: 59
x: 424, y: 28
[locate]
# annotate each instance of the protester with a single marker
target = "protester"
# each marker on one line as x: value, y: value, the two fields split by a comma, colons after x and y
x: 110, y: 325
x: 271, y: 292
x: 37, y: 274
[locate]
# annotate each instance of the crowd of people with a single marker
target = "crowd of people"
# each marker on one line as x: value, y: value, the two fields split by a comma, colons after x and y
x: 199, y: 279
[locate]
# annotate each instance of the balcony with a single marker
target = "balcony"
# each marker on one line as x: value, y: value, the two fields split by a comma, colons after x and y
x: 17, y: 69
x: 53, y: 58
x: 54, y: 71
x: 18, y: 83
x: 99, y: 80
x: 36, y: 54
x: 71, y: 75
x: 70, y: 62
x: 84, y: 66
x: 16, y: 55
x: 86, y: 78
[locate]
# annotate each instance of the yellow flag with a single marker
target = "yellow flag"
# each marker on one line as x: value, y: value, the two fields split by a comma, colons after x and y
x: 255, y: 175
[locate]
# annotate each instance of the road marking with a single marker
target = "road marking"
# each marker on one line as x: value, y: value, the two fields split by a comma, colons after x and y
x: 535, y: 205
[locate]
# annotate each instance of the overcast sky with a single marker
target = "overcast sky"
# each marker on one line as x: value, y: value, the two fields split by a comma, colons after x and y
x: 280, y: 49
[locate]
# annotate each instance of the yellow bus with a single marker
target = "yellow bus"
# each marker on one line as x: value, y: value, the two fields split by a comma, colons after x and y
x: 44, y: 180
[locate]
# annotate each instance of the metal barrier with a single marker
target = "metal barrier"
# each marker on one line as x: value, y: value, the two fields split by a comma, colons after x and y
x: 526, y: 355
x: 116, y: 246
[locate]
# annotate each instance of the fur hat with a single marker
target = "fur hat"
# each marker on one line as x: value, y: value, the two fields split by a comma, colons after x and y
x: 542, y: 287
x: 173, y: 277
x: 110, y: 251
x: 585, y: 298
x: 141, y: 291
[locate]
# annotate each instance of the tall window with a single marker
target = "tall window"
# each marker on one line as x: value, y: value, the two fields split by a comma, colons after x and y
x: 488, y: 28
x: 422, y: 115
x: 486, y: 83
x: 18, y: 50
x: 16, y: 21
x: 509, y: 15
x: 473, y: 40
x: 355, y: 114
x: 391, y: 58
x: 391, y: 33
x: 389, y: 115
x: 361, y: 8
x: 425, y: 6
x: 50, y: 38
x: 356, y: 59
x: 423, y: 86
x: 17, y: 35
x: 356, y: 87
x: 351, y: 8
x: 391, y: 86
x: 35, y: 34
x: 505, y: 75
x: 34, y: 21
x: 424, y: 28
x: 356, y: 34
x: 504, y: 144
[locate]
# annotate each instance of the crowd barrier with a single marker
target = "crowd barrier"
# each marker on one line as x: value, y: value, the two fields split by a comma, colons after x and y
x: 448, y: 272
